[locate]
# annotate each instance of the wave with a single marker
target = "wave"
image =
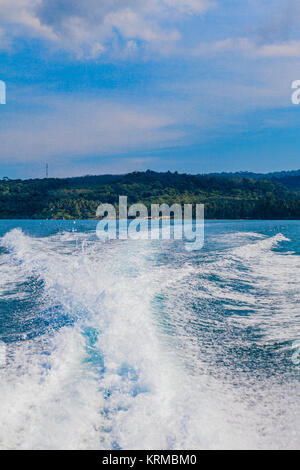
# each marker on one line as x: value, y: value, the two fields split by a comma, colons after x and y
x: 135, y: 363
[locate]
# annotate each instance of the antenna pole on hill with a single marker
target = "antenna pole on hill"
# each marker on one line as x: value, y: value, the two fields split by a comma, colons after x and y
x: 47, y: 170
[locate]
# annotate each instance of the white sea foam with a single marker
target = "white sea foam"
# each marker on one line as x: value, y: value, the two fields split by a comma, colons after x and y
x: 127, y: 371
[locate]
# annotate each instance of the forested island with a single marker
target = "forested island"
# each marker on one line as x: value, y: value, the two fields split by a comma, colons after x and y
x: 226, y: 196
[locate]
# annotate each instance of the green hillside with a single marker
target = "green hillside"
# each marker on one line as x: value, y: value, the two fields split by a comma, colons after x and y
x: 225, y: 197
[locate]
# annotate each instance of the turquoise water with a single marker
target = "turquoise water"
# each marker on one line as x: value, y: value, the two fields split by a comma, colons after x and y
x: 142, y: 344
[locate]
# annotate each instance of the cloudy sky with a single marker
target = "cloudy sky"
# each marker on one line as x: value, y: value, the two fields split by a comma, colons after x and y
x: 110, y: 86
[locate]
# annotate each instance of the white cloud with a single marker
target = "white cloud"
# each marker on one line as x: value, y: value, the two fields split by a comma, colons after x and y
x: 190, y: 6
x: 216, y: 47
x: 287, y: 49
x: 84, y: 126
x: 21, y: 13
x: 89, y: 26
x: 249, y: 48
x: 272, y: 32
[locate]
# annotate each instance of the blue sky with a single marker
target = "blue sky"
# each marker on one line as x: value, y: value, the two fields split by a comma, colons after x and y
x: 113, y: 86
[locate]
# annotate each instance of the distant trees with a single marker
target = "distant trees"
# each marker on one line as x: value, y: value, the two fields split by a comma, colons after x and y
x: 231, y: 197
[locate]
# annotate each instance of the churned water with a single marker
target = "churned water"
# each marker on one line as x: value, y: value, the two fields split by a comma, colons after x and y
x: 144, y: 345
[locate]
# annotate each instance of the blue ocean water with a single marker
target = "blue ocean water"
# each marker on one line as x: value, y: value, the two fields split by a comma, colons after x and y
x: 144, y: 345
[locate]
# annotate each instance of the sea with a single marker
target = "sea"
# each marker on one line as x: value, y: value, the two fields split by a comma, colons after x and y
x: 137, y: 344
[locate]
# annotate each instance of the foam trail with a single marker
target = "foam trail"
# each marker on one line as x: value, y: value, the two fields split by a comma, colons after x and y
x: 126, y: 368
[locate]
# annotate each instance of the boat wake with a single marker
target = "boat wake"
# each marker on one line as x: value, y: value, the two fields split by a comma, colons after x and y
x: 129, y: 345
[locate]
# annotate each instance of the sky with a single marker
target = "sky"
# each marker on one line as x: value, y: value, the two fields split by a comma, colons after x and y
x: 113, y: 86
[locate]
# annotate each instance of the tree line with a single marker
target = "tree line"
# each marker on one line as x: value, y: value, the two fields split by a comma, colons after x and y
x: 224, y: 197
